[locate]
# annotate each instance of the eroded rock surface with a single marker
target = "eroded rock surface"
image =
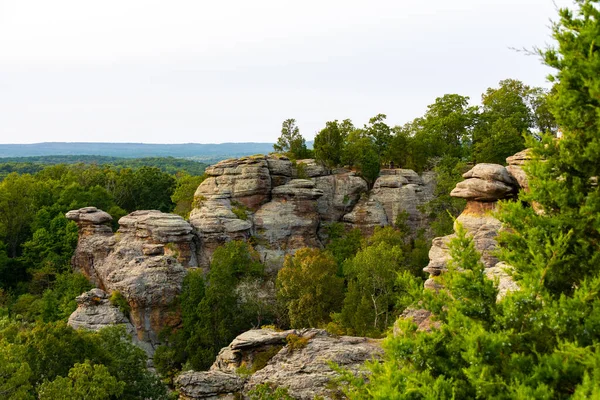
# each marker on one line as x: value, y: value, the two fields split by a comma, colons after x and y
x: 483, y: 186
x: 287, y: 223
x: 145, y: 261
x: 282, y: 206
x: 303, y: 370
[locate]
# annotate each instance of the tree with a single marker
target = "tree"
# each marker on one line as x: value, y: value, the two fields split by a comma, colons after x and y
x: 331, y: 140
x: 509, y: 114
x: 309, y: 288
x: 85, y: 381
x: 361, y: 152
x: 543, y: 340
x: 183, y: 196
x: 15, y: 374
x: 212, y: 311
x: 291, y: 141
x: 17, y: 209
x: 371, y: 276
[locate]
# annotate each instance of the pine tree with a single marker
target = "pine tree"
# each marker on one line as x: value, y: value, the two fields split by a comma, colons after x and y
x: 542, y: 341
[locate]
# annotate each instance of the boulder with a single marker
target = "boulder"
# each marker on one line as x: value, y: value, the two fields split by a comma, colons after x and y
x: 366, y: 215
x: 94, y: 312
x: 310, y: 168
x: 341, y: 192
x: 303, y: 369
x: 486, y: 182
x: 402, y: 191
x: 208, y: 385
x: 280, y: 169
x: 246, y: 180
x: 515, y: 167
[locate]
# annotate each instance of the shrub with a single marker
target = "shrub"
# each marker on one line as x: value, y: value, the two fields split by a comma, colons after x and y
x: 118, y: 300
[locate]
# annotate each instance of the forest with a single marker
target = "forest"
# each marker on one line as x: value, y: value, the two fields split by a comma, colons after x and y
x: 540, y: 342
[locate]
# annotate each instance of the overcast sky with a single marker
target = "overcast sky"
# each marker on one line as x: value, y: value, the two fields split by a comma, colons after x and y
x: 181, y: 71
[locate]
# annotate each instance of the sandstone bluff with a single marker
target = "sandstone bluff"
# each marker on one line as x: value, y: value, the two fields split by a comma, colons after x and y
x: 281, y: 207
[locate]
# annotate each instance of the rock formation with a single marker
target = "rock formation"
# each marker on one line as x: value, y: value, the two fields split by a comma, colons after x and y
x: 145, y: 261
x: 284, y: 206
x: 266, y: 356
x: 483, y: 186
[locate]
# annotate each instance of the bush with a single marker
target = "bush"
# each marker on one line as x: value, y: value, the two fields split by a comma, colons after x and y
x: 118, y: 300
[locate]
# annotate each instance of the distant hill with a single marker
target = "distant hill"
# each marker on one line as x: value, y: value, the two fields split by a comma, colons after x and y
x: 195, y: 151
x: 33, y: 164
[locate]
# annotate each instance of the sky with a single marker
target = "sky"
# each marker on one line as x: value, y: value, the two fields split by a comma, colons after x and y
x: 197, y: 71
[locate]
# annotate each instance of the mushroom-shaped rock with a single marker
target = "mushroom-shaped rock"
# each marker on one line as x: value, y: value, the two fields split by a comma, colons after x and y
x: 91, y: 220
x: 486, y: 182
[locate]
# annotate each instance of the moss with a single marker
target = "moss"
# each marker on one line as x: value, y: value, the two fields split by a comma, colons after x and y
x: 240, y: 210
x: 296, y: 342
x: 198, y: 200
x: 301, y: 171
x: 118, y: 300
x: 172, y: 250
x: 262, y: 359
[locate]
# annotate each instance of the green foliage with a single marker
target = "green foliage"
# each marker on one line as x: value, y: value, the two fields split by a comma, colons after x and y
x: 330, y: 141
x: 118, y: 300
x: 212, y: 310
x: 443, y: 209
x: 291, y: 141
x: 49, y: 353
x: 240, y: 210
x: 342, y: 244
x: 183, y: 196
x: 267, y: 391
x: 308, y: 287
x: 295, y: 342
x: 85, y: 381
x: 543, y: 340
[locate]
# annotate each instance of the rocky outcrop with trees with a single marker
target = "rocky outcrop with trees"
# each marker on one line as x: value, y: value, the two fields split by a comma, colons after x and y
x: 484, y: 185
x: 282, y: 206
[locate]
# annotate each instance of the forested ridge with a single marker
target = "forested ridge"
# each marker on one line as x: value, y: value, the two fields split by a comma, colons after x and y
x: 541, y: 341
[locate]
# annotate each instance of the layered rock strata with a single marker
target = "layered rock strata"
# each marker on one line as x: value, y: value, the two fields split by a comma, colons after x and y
x: 302, y: 369
x: 282, y: 206
x: 145, y: 261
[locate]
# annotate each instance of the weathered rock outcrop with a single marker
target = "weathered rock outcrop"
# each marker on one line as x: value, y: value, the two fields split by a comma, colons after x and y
x: 94, y: 312
x: 246, y: 180
x: 483, y: 186
x: 287, y: 223
x: 145, y: 261
x: 261, y: 197
x: 302, y: 369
